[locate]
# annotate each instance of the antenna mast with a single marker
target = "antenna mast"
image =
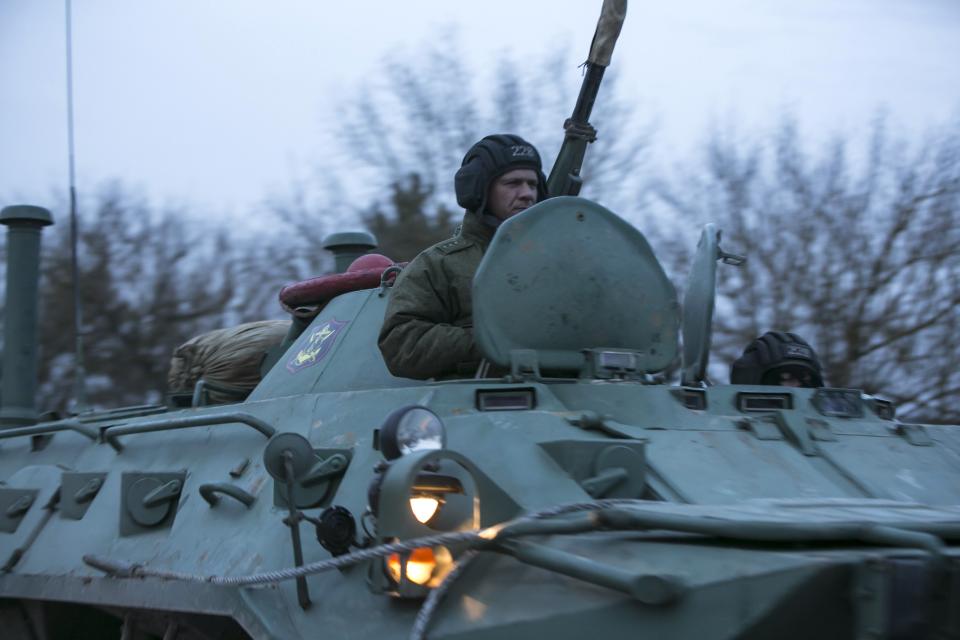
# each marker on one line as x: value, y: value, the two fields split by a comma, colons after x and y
x: 79, y: 391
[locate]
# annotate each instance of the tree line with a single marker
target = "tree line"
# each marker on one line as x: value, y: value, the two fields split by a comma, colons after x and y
x: 857, y: 249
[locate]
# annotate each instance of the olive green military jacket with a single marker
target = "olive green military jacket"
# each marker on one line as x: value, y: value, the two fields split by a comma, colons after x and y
x: 428, y: 325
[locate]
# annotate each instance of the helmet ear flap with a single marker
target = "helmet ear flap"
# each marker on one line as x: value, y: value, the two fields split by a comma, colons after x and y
x: 767, y: 350
x: 468, y: 184
x: 745, y: 368
x: 542, y: 193
x: 473, y: 177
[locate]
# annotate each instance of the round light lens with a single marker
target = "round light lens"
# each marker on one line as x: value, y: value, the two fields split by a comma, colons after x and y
x: 419, y: 429
x: 411, y: 429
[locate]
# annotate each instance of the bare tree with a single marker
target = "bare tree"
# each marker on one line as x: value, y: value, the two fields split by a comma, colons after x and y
x: 422, y: 112
x: 407, y: 226
x: 860, y: 256
x: 284, y: 246
x: 149, y: 281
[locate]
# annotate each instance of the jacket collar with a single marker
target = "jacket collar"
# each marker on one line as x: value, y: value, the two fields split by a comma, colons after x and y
x: 474, y: 229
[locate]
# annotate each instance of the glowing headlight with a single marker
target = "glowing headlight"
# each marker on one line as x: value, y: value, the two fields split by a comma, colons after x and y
x: 424, y: 507
x: 412, y: 428
x: 424, y: 566
x: 430, y: 490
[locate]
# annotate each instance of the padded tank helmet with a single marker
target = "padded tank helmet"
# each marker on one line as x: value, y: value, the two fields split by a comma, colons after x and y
x: 490, y: 158
x: 773, y: 354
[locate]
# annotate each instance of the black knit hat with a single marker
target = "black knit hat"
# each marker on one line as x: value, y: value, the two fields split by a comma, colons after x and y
x: 490, y: 158
x: 772, y: 352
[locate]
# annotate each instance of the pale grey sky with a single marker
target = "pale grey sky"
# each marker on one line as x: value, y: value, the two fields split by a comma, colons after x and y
x: 216, y: 103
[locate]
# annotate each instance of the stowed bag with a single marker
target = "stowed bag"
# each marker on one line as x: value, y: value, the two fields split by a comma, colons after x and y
x: 230, y: 356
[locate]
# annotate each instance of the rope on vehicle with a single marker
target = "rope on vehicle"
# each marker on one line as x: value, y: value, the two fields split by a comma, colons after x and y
x: 473, y: 538
x: 425, y: 615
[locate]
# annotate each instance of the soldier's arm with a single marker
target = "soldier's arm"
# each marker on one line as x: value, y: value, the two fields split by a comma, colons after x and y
x: 417, y: 339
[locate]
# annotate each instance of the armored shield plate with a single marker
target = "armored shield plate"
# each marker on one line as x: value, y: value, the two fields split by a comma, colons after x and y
x: 568, y: 275
x: 698, y: 303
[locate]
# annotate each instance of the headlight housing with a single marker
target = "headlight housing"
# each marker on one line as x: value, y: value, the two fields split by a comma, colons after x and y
x: 419, y: 494
x: 411, y: 428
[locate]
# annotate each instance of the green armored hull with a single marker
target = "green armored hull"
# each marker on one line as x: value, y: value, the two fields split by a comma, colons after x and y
x: 579, y: 495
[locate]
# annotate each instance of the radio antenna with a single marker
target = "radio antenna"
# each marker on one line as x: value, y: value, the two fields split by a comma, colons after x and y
x: 79, y: 390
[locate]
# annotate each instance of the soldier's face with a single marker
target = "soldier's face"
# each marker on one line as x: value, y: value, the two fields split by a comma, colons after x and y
x: 512, y: 192
x: 789, y: 376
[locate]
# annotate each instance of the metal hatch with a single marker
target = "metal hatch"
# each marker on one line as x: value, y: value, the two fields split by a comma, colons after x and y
x: 568, y: 275
x: 698, y: 303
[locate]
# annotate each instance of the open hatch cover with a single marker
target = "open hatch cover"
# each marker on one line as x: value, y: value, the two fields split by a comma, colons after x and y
x: 568, y: 275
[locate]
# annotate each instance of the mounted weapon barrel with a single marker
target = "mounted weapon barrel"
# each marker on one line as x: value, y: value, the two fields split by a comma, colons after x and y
x: 565, y: 177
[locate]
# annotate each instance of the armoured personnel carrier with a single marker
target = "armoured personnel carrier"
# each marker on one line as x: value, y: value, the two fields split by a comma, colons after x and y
x: 578, y: 495
x: 575, y: 495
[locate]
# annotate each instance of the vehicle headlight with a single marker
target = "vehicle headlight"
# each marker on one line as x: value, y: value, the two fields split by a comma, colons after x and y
x: 411, y: 428
x: 424, y: 566
x: 424, y: 507
x: 420, y: 494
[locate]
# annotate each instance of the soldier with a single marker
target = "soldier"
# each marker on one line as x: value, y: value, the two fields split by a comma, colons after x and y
x: 428, y: 326
x: 778, y: 358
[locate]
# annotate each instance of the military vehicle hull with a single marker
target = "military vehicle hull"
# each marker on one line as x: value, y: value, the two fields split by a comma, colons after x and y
x: 730, y: 508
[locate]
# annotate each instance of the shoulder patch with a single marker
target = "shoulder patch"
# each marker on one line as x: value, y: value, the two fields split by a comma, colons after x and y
x: 453, y: 245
